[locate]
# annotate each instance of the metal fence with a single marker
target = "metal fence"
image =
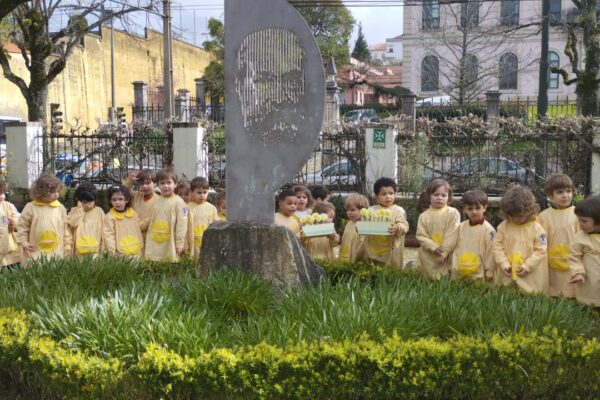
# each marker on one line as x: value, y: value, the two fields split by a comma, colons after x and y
x: 103, y: 157
x: 154, y: 114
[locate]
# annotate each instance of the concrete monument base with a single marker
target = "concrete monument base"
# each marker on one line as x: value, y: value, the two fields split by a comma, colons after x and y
x: 271, y: 251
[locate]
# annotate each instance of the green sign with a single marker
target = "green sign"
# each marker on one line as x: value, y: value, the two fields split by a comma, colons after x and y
x: 379, y: 138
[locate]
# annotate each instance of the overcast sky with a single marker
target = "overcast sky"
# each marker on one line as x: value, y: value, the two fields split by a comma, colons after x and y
x: 378, y: 23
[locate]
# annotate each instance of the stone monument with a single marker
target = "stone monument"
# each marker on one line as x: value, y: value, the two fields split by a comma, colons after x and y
x: 274, y: 97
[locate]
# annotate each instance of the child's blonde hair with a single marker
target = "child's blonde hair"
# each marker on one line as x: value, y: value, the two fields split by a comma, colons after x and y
x: 45, y: 185
x: 519, y: 201
x: 557, y: 182
x: 357, y: 201
x: 434, y: 185
x: 182, y: 187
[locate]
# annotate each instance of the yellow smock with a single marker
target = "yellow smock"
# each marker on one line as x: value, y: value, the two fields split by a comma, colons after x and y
x: 143, y: 207
x: 320, y: 247
x: 44, y: 226
x: 437, y: 227
x: 122, y: 233
x: 522, y: 245
x: 289, y: 222
x: 387, y: 250
x: 473, y: 256
x: 9, y: 250
x: 201, y: 216
x: 584, y: 258
x: 561, y: 226
x: 87, y: 229
x: 167, y: 229
x: 351, y: 242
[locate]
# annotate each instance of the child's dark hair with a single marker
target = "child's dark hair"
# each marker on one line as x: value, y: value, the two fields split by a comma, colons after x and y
x: 45, y: 185
x: 475, y: 197
x: 199, y: 182
x: 319, y: 192
x: 119, y: 189
x: 357, y: 201
x: 182, y: 186
x: 85, y: 192
x: 383, y: 182
x: 557, y: 182
x: 285, y: 194
x: 3, y: 186
x: 519, y: 200
x: 589, y: 208
x: 165, y: 174
x: 432, y: 186
x: 323, y: 207
x: 303, y: 189
x: 220, y: 198
x: 146, y: 175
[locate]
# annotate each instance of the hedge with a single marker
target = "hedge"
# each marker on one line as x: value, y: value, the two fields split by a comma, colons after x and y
x: 520, y: 366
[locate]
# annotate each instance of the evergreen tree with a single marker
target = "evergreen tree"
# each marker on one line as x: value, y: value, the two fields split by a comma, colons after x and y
x: 361, y: 48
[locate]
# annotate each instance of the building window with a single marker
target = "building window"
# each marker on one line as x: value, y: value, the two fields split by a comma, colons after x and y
x: 431, y: 14
x: 553, y: 77
x: 469, y: 14
x: 509, y: 12
x: 471, y: 71
x: 508, y: 70
x: 430, y: 71
x: 555, y: 6
x: 391, y: 50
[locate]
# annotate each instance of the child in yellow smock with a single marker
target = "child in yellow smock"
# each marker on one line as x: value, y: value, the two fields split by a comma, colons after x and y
x: 561, y: 226
x: 142, y: 201
x: 167, y: 230
x: 352, y: 242
x: 221, y: 204
x: 122, y: 232
x: 584, y: 253
x: 10, y: 254
x: 184, y: 190
x: 202, y: 214
x: 437, y: 230
x: 305, y: 201
x: 387, y: 250
x: 473, y: 256
x: 86, y: 222
x: 42, y: 230
x: 520, y: 247
x: 321, y: 247
x: 286, y: 201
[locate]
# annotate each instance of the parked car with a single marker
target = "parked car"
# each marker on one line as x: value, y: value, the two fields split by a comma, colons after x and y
x: 70, y: 168
x: 361, y: 115
x: 493, y: 174
x: 339, y: 173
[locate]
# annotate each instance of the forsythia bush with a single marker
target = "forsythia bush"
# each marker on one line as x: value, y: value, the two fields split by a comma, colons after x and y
x: 521, y: 366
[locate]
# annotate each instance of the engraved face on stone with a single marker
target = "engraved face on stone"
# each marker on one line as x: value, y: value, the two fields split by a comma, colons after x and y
x: 270, y: 84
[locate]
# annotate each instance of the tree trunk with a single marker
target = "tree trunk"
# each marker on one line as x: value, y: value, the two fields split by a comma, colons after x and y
x: 36, y: 98
x: 587, y: 84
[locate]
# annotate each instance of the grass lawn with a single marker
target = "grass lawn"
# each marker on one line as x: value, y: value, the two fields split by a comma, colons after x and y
x: 111, y: 306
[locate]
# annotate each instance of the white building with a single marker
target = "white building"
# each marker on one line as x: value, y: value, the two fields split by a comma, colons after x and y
x: 481, y: 39
x: 389, y: 53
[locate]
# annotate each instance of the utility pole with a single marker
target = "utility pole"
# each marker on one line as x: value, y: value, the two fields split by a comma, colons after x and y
x: 543, y: 81
x: 113, y: 72
x: 168, y: 63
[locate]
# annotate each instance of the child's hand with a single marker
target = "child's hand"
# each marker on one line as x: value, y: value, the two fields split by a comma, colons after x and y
x: 28, y: 248
x: 441, y: 258
x: 522, y: 272
x: 334, y: 236
x: 438, y: 252
x: 179, y: 250
x: 132, y: 175
x: 577, y: 278
x: 393, y: 229
x: 507, y: 271
x: 11, y: 222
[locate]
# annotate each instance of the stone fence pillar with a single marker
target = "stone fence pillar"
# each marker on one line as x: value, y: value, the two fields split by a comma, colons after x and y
x: 190, y: 153
x: 382, y: 154
x: 24, y: 153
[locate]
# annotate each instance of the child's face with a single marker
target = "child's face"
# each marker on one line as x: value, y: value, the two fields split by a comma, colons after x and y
x: 302, y: 202
x: 167, y: 187
x: 562, y: 197
x: 87, y: 205
x: 353, y: 214
x: 287, y: 206
x: 118, y: 201
x: 49, y: 198
x: 475, y: 212
x: 222, y: 207
x: 439, y: 198
x: 186, y: 195
x: 386, y: 196
x: 587, y: 224
x: 2, y: 197
x: 519, y: 219
x: 146, y: 187
x: 330, y: 215
x: 199, y: 195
